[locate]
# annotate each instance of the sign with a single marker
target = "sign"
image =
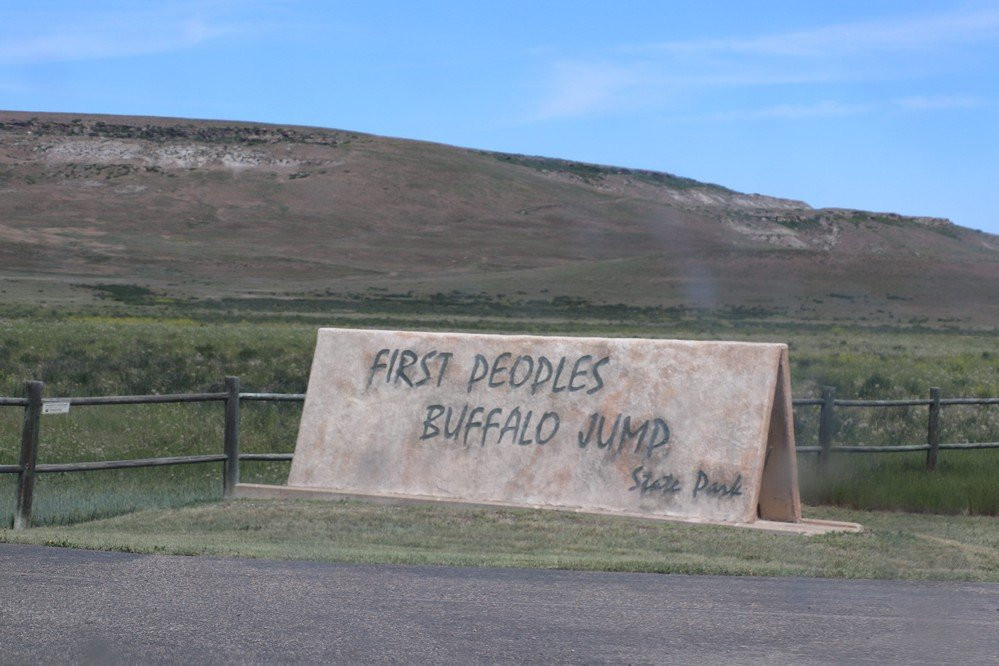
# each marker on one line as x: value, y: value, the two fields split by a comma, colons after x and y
x: 699, y: 431
x: 55, y: 406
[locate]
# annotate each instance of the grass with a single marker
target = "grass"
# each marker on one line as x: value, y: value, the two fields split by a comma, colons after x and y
x: 61, y: 499
x: 964, y: 483
x: 893, y: 545
x: 94, y: 353
x: 141, y: 431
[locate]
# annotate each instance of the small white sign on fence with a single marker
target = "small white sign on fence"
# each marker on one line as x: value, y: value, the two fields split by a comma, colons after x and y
x: 55, y: 407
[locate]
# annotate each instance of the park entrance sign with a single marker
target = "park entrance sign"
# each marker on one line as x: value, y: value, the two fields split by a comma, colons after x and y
x: 698, y: 431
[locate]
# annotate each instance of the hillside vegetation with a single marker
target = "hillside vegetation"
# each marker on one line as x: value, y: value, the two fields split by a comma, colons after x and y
x: 269, y: 216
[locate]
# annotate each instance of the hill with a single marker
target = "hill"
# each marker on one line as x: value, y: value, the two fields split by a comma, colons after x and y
x: 167, y: 209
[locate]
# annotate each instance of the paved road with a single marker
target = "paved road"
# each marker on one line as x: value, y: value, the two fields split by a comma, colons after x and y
x: 78, y: 606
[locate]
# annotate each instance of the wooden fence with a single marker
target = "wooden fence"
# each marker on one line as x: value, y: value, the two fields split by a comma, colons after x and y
x: 35, y: 405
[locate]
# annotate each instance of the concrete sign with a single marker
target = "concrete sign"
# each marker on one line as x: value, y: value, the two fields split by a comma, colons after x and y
x: 697, y: 431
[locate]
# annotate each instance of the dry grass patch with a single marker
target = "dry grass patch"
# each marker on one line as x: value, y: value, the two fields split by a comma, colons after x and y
x: 893, y: 545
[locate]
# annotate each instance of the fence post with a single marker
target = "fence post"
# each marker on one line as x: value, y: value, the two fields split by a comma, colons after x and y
x: 231, y: 474
x: 825, y: 425
x: 933, y: 429
x: 29, y: 454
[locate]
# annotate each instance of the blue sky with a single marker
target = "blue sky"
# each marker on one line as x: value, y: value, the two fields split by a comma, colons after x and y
x: 880, y: 105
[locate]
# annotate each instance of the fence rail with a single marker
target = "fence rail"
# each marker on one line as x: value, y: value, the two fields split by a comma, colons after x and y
x: 27, y: 467
x: 143, y: 399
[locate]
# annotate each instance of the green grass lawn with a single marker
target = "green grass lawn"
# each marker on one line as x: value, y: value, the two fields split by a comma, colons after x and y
x: 893, y: 545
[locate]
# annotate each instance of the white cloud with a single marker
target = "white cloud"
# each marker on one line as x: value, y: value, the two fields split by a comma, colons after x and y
x: 822, y: 109
x: 832, y: 108
x: 58, y: 37
x: 582, y: 88
x: 907, y: 48
x: 902, y: 34
x: 938, y: 102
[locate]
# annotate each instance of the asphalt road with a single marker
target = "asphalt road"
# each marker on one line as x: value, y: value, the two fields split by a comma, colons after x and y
x: 59, y: 605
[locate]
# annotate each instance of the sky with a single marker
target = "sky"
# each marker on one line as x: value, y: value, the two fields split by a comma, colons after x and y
x: 879, y: 105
